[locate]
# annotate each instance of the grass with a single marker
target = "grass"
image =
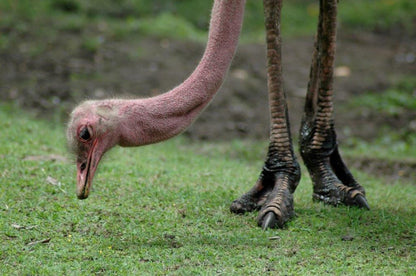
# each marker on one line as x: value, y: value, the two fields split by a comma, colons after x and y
x: 163, y: 209
x: 187, y: 19
x: 396, y: 101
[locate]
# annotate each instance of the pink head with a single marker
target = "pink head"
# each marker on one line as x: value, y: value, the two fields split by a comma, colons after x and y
x: 91, y: 132
x: 96, y: 126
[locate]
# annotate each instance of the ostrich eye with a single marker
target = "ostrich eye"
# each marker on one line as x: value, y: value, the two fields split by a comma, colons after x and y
x: 84, y: 134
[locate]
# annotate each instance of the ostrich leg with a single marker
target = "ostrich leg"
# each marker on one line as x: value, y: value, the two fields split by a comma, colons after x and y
x: 273, y: 192
x: 332, y: 182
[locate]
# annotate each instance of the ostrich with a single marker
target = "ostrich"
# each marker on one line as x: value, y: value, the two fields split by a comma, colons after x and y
x: 96, y: 126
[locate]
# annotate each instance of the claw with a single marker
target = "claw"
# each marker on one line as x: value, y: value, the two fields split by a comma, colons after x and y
x: 362, y: 202
x: 269, y: 221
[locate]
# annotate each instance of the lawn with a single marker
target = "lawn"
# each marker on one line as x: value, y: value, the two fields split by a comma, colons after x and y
x: 163, y: 209
x: 186, y: 19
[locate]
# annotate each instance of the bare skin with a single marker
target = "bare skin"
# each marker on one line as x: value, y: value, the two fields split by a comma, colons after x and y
x: 97, y: 126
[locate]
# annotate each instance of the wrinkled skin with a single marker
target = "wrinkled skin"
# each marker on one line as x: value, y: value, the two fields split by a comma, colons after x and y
x: 332, y: 181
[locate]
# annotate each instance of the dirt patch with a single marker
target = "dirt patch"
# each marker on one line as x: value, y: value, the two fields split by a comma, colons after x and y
x: 392, y: 171
x: 63, y: 73
x: 52, y: 76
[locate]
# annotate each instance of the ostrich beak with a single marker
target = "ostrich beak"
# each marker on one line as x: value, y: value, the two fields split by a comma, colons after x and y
x: 86, y: 170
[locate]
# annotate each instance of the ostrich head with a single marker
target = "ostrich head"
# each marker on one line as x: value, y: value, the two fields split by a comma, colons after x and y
x: 96, y: 126
x: 92, y: 130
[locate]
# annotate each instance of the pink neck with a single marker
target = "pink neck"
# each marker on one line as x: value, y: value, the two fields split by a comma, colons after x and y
x: 146, y: 121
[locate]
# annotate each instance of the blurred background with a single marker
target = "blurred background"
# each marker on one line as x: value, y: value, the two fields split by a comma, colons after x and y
x: 56, y: 53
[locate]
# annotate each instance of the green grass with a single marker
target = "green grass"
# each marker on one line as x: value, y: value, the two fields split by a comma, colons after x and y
x: 389, y: 146
x: 399, y: 98
x: 163, y: 209
x: 188, y: 19
x: 397, y: 101
x: 379, y: 15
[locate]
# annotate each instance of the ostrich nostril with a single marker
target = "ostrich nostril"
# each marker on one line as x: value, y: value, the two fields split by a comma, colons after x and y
x: 83, y: 166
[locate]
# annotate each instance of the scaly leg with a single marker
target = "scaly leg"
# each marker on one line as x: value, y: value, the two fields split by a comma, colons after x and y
x: 273, y: 192
x: 333, y: 182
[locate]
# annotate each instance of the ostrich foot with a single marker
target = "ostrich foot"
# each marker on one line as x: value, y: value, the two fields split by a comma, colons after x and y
x: 334, y: 193
x: 278, y: 209
x: 333, y: 182
x: 253, y: 199
x: 272, y: 194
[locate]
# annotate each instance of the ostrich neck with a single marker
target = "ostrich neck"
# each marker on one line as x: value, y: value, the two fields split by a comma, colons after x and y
x: 151, y: 120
